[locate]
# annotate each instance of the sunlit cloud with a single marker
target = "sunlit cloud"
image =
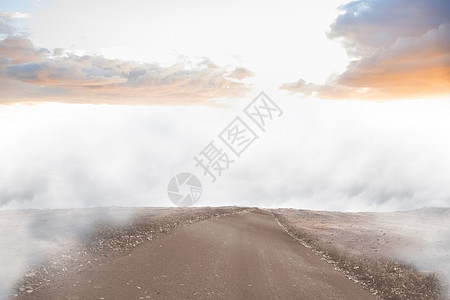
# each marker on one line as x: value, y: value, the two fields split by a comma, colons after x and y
x: 31, y: 74
x: 395, y: 56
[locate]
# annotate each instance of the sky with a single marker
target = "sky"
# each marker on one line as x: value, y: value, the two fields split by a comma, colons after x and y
x: 103, y: 102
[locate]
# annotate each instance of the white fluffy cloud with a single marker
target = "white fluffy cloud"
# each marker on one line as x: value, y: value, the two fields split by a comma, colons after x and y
x: 319, y: 154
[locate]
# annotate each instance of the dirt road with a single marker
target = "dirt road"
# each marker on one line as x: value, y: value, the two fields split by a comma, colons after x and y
x: 242, y: 256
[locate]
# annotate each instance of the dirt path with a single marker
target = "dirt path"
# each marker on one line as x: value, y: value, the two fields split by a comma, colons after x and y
x: 243, y: 256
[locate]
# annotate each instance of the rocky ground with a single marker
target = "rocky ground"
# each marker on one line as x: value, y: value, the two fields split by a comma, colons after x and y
x: 399, y: 255
x: 112, y: 234
x: 239, y: 256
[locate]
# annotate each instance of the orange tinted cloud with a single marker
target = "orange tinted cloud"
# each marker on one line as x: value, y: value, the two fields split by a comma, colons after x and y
x: 29, y: 74
x: 398, y: 57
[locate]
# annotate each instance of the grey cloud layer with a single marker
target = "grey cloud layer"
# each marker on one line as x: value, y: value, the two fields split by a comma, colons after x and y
x: 366, y: 25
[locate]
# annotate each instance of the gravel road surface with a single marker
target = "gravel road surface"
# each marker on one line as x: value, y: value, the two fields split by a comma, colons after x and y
x: 242, y: 256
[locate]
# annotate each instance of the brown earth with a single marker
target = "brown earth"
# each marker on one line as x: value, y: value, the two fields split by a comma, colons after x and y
x: 378, y: 250
x: 240, y: 256
x: 223, y: 252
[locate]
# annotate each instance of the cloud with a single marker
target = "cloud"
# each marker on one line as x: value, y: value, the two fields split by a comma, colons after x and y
x: 63, y: 155
x: 5, y: 27
x: 240, y: 73
x: 343, y: 155
x: 5, y: 22
x: 395, y: 56
x: 30, y: 74
x: 367, y: 25
x: 17, y: 50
